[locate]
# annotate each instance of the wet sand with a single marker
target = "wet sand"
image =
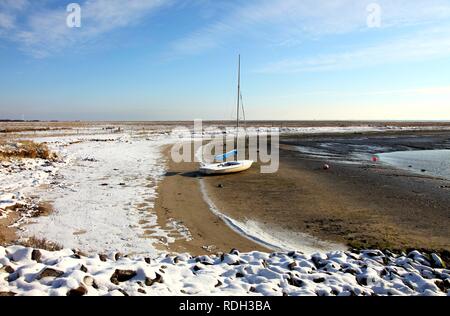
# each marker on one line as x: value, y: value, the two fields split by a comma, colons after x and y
x: 8, y: 234
x: 361, y: 205
x: 180, y: 198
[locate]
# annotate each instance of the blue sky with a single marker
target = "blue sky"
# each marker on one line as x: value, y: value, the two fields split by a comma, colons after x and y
x: 170, y: 60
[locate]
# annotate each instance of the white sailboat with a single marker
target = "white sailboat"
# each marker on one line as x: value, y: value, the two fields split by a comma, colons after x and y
x: 230, y: 166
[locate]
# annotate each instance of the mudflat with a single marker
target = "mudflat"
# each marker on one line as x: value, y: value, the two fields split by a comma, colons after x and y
x: 361, y: 204
x: 180, y: 198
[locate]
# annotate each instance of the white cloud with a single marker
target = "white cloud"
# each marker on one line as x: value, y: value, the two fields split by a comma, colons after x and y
x: 425, y: 45
x: 45, y: 32
x: 6, y: 21
x: 291, y: 21
x: 12, y: 5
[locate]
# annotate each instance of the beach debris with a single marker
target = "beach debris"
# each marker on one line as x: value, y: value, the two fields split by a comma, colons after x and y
x: 220, y: 185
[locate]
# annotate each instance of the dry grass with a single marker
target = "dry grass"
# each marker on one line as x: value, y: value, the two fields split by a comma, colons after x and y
x: 25, y: 149
x: 41, y: 243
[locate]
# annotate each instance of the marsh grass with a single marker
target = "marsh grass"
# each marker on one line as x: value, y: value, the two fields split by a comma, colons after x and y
x: 41, y: 243
x: 25, y: 149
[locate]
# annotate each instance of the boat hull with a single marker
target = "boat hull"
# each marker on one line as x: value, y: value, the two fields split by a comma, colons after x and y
x: 222, y: 168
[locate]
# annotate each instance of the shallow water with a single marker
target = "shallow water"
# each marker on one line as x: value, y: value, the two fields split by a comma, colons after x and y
x: 435, y: 162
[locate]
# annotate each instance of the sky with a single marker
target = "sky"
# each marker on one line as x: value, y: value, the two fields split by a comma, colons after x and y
x: 177, y: 59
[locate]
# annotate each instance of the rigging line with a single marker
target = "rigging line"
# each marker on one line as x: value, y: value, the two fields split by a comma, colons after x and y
x: 243, y: 110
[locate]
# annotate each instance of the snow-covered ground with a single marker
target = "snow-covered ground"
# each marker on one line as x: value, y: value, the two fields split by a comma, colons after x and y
x: 103, y: 188
x: 25, y: 271
x: 19, y: 180
x: 104, y: 196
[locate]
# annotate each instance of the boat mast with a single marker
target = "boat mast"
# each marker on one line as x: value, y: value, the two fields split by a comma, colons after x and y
x: 239, y: 94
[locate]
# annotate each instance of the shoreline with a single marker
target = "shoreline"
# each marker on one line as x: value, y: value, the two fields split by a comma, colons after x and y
x: 362, y: 205
x: 179, y: 197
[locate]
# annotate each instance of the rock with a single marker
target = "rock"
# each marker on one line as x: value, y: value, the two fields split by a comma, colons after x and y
x: 362, y: 280
x: 13, y: 277
x: 326, y: 167
x: 6, y: 164
x: 80, y: 291
x: 228, y: 259
x: 104, y: 184
x: 7, y: 269
x: 205, y: 260
x: 122, y: 276
x: 148, y: 260
x: 90, y: 281
x: 7, y: 294
x: 219, y: 284
x: 437, y: 262
x: 36, y: 255
x: 117, y: 256
x: 196, y: 268
x: 444, y: 286
x: 142, y: 291
x: 103, y: 258
x: 123, y: 292
x: 418, y: 257
x: 319, y: 280
x: 295, y: 281
x: 49, y: 273
x: 318, y: 261
x: 158, y: 279
x: 83, y: 268
x: 234, y: 251
x: 220, y: 186
x: 239, y: 275
x: 79, y: 253
x: 292, y: 265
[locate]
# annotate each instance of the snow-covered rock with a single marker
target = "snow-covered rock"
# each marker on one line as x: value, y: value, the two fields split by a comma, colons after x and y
x: 66, y: 272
